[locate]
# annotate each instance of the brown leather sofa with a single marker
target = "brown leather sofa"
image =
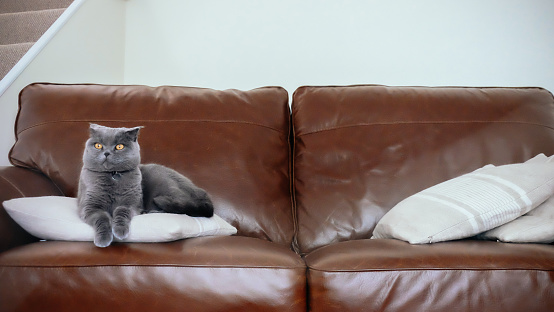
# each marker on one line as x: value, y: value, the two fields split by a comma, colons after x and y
x: 304, y: 187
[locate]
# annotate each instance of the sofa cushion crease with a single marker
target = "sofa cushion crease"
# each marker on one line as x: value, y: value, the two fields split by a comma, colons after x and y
x: 224, y: 252
x: 392, y: 255
x: 124, y: 121
x: 18, y: 182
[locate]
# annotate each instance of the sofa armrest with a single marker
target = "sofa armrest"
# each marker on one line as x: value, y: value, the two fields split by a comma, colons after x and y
x: 19, y: 182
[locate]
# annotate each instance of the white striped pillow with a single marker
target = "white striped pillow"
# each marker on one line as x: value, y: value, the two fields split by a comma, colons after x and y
x: 470, y: 204
x: 537, y: 226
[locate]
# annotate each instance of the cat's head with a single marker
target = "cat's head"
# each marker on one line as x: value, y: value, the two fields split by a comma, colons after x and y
x: 112, y: 149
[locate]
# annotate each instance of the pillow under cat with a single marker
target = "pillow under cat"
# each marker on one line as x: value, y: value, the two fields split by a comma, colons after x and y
x: 57, y: 218
x: 470, y: 204
x: 114, y: 187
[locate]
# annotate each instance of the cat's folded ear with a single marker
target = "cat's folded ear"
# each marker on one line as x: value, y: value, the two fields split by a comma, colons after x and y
x: 94, y: 128
x: 132, y: 133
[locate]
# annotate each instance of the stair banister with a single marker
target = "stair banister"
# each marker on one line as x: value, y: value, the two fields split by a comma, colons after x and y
x: 20, y: 66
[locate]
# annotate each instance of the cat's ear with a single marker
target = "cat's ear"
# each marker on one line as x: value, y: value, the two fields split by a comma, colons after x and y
x: 132, y: 133
x: 94, y: 128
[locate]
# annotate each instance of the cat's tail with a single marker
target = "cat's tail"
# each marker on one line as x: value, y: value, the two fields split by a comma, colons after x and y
x: 199, y: 205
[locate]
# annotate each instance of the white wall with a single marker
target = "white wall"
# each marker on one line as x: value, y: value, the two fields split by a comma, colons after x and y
x: 90, y: 48
x: 245, y: 44
x: 250, y: 43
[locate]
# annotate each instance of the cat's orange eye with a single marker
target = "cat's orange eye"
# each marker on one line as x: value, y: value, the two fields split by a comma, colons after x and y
x: 97, y: 145
x: 119, y: 147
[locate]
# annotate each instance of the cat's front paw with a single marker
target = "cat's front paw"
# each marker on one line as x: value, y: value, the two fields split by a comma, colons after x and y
x: 121, y: 231
x: 103, y: 239
x: 121, y: 218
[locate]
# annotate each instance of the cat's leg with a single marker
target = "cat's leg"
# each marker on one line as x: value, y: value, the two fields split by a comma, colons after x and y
x: 101, y: 223
x: 166, y: 204
x: 122, y: 216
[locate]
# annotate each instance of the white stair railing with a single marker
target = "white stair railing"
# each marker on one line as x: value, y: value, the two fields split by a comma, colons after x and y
x: 85, y: 45
x: 20, y: 66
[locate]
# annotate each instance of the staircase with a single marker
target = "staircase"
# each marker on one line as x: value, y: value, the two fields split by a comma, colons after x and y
x: 22, y: 23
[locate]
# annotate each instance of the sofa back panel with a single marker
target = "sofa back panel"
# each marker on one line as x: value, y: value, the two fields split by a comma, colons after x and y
x: 234, y: 144
x: 359, y: 150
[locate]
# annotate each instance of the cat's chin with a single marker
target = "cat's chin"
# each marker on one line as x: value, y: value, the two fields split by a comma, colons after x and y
x: 109, y: 167
x: 103, y: 169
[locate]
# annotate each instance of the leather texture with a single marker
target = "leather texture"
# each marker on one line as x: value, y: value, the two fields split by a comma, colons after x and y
x: 359, y: 150
x: 234, y: 144
x: 14, y: 183
x: 202, y: 274
x: 391, y: 275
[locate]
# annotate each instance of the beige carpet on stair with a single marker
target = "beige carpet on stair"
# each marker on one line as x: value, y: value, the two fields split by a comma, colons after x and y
x: 22, y: 23
x: 11, y: 6
x: 10, y: 55
x: 26, y: 26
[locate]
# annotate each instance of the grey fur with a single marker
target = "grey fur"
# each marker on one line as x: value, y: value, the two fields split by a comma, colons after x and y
x: 112, y: 184
x: 165, y: 189
x: 110, y: 191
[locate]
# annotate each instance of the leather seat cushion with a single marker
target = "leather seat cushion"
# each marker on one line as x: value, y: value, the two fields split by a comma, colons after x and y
x: 392, y: 275
x: 202, y: 274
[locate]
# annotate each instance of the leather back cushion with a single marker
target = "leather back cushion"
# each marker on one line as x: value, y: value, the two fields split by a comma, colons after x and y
x: 234, y: 144
x: 359, y: 150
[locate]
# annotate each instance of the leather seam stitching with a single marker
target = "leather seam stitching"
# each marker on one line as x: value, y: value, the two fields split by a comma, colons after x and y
x: 393, y: 123
x: 154, y: 266
x: 427, y: 269
x: 151, y: 121
x: 13, y: 185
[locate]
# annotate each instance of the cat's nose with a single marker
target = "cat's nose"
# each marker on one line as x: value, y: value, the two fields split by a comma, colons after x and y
x: 107, y: 154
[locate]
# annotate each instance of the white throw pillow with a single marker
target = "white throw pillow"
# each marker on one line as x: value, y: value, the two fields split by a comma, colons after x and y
x: 57, y: 218
x: 470, y: 204
x: 537, y: 226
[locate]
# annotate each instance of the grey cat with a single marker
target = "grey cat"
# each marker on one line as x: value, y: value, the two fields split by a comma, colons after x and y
x: 114, y: 186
